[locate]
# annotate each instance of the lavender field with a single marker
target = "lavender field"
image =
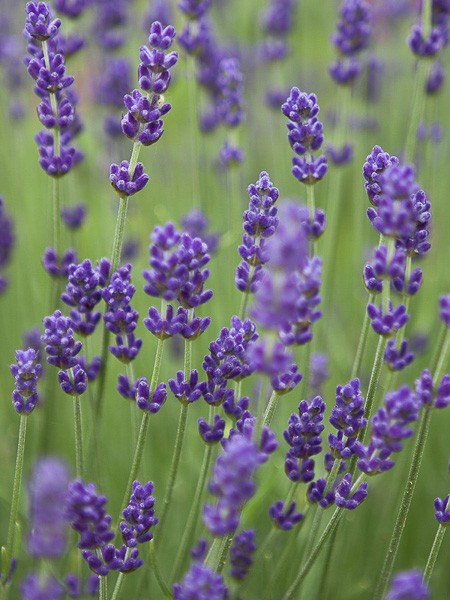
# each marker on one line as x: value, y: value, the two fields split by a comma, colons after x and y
x: 224, y: 300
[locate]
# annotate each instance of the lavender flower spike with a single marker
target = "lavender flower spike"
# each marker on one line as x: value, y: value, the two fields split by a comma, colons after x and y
x: 139, y: 515
x: 241, y: 553
x: 26, y: 372
x: 442, y: 513
x: 47, y: 492
x: 61, y: 346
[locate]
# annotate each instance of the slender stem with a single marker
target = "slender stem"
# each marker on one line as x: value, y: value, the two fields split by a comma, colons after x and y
x: 332, y: 523
x: 160, y: 581
x: 119, y: 233
x: 118, y: 586
x: 311, y: 203
x: 434, y: 553
x: 181, y: 429
x: 362, y: 341
x: 404, y: 506
x: 193, y: 125
x: 246, y: 295
x: 373, y: 383
x: 142, y: 438
x: 79, y: 461
x: 10, y: 540
x: 224, y: 550
x: 418, y: 108
x: 424, y: 426
x: 173, y: 468
x: 307, y: 369
x: 271, y: 407
x: 103, y: 589
x: 194, y: 513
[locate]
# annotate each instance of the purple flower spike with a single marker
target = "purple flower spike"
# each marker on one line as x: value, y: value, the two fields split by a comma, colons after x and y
x: 442, y: 509
x: 200, y: 583
x: 343, y: 496
x: 232, y: 484
x: 47, y: 492
x: 211, y: 434
x: 60, y: 344
x: 126, y: 388
x: 389, y: 428
x: 147, y: 400
x: 241, y: 552
x: 123, y: 182
x: 304, y: 438
x: 39, y: 24
x: 284, y: 517
x: 73, y: 382
x: 348, y: 418
x: 169, y: 326
x: 353, y: 28
x: 86, y: 514
x: 408, y: 585
x: 390, y: 322
x: 139, y: 515
x: 26, y: 372
x: 377, y: 162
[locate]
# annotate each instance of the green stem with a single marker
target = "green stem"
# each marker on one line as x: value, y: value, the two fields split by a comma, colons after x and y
x: 311, y: 203
x: 434, y: 553
x: 373, y: 383
x: 418, y: 108
x: 79, y: 461
x: 103, y: 589
x: 142, y: 437
x: 246, y: 295
x: 160, y: 581
x: 271, y: 407
x: 181, y: 430
x: 119, y: 233
x: 173, y: 468
x: 332, y: 523
x: 194, y: 513
x: 362, y: 341
x: 118, y: 586
x: 8, y: 552
x: 402, y: 515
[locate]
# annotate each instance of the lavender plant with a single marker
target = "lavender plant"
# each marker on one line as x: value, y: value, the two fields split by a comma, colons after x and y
x: 279, y: 416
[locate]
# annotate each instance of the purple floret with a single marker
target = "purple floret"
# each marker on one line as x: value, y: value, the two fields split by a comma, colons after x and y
x: 139, y: 515
x: 73, y: 382
x: 26, y: 372
x: 241, y: 553
x: 442, y: 513
x: 60, y: 344
x: 39, y: 24
x: 200, y: 583
x: 284, y: 517
x: 408, y: 585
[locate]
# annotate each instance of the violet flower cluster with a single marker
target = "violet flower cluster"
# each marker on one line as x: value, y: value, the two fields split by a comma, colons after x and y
x: 277, y: 21
x: 230, y: 107
x: 305, y: 135
x: 260, y: 223
x: 232, y: 483
x: 26, y: 372
x: 177, y: 274
x: 87, y: 516
x: 352, y: 36
x: 57, y: 108
x: 389, y: 426
x: 143, y: 121
x: 120, y: 318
